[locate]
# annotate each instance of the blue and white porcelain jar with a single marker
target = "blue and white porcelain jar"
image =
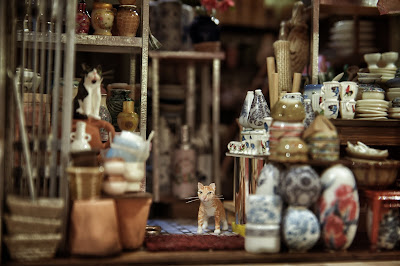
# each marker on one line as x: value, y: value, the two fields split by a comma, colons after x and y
x: 300, y: 229
x: 300, y: 186
x: 258, y: 111
x: 244, y: 113
x: 264, y: 209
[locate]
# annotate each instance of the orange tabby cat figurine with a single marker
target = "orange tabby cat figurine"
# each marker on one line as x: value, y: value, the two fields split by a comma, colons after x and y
x: 210, y: 205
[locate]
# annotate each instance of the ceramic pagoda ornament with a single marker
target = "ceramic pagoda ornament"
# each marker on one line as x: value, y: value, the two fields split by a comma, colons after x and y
x: 244, y: 114
x: 258, y: 111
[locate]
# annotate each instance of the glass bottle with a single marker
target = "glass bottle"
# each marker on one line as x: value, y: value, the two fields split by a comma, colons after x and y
x: 82, y: 19
x: 128, y: 119
x: 184, y: 183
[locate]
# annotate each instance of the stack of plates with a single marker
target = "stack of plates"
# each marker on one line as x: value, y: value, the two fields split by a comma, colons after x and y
x: 368, y: 78
x: 394, y: 112
x: 372, y: 109
x: 342, y: 37
x: 386, y: 72
x: 393, y: 93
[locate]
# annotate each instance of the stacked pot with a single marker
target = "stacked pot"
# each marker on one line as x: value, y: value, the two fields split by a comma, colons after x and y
x: 300, y: 189
x: 263, y: 214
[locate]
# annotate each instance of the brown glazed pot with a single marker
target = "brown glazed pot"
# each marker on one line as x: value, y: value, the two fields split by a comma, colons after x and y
x: 93, y: 128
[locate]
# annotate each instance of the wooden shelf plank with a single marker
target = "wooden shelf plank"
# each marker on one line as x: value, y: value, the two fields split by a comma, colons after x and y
x: 187, y: 55
x: 88, y: 43
x: 348, y: 7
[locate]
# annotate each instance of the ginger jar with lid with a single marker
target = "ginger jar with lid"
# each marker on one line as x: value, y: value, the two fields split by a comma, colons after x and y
x: 127, y: 20
x: 102, y: 18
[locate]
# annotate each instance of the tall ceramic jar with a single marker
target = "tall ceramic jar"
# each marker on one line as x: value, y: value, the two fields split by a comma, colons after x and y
x: 102, y: 18
x: 104, y: 115
x: 127, y: 20
x: 115, y: 104
x: 339, y: 207
x: 82, y: 19
x: 258, y: 110
x: 128, y: 119
x: 244, y: 114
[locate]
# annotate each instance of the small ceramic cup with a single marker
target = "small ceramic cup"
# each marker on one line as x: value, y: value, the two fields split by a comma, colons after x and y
x: 234, y: 146
x: 316, y: 100
x: 348, y: 90
x: 330, y: 108
x: 311, y: 89
x: 347, y: 109
x: 264, y: 209
x: 330, y: 90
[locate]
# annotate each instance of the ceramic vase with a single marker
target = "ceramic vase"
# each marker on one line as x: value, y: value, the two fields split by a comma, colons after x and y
x: 268, y: 180
x: 244, y: 114
x: 310, y: 115
x: 102, y: 18
x: 339, y: 207
x: 300, y: 229
x: 300, y: 186
x: 80, y: 140
x: 82, y: 19
x: 258, y: 110
x: 115, y: 104
x: 127, y: 20
x: 128, y: 119
x: 288, y: 110
x: 104, y: 115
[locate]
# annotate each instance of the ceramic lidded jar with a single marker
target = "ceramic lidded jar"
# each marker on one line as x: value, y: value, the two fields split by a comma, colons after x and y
x: 127, y: 20
x: 301, y: 186
x: 339, y: 207
x: 288, y: 110
x: 102, y: 18
x: 258, y: 111
x: 264, y: 209
x: 300, y: 229
x: 244, y: 114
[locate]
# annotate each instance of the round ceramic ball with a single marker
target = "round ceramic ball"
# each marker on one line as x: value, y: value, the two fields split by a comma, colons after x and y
x: 301, y: 186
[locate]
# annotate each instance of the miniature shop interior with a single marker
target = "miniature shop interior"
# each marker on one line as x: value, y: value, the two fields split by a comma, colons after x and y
x: 199, y: 132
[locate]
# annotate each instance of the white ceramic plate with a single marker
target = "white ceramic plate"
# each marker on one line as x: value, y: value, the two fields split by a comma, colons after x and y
x: 368, y: 75
x: 370, y: 111
x: 392, y: 94
x: 394, y: 90
x: 372, y: 118
x: 374, y: 108
x: 371, y: 115
x: 394, y: 115
x: 373, y: 101
x: 394, y: 110
x: 382, y: 71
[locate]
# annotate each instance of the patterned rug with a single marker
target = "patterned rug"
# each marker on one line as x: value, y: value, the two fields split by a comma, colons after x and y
x: 193, y: 242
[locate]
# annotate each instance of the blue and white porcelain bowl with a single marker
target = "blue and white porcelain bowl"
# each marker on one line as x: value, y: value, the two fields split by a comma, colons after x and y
x: 262, y: 238
x: 300, y: 186
x: 264, y: 209
x: 300, y: 229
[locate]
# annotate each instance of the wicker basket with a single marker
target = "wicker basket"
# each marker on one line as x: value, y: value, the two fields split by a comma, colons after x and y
x: 41, y: 208
x: 32, y: 246
x: 31, y: 225
x: 85, y: 182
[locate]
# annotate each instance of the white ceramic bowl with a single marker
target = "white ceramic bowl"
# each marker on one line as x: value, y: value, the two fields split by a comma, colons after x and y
x: 114, y: 187
x: 390, y: 57
x: 114, y: 167
x: 392, y: 94
x: 376, y: 95
x: 372, y: 58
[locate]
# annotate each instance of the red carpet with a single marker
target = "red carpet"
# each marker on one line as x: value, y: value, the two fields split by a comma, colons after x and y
x: 195, y: 242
